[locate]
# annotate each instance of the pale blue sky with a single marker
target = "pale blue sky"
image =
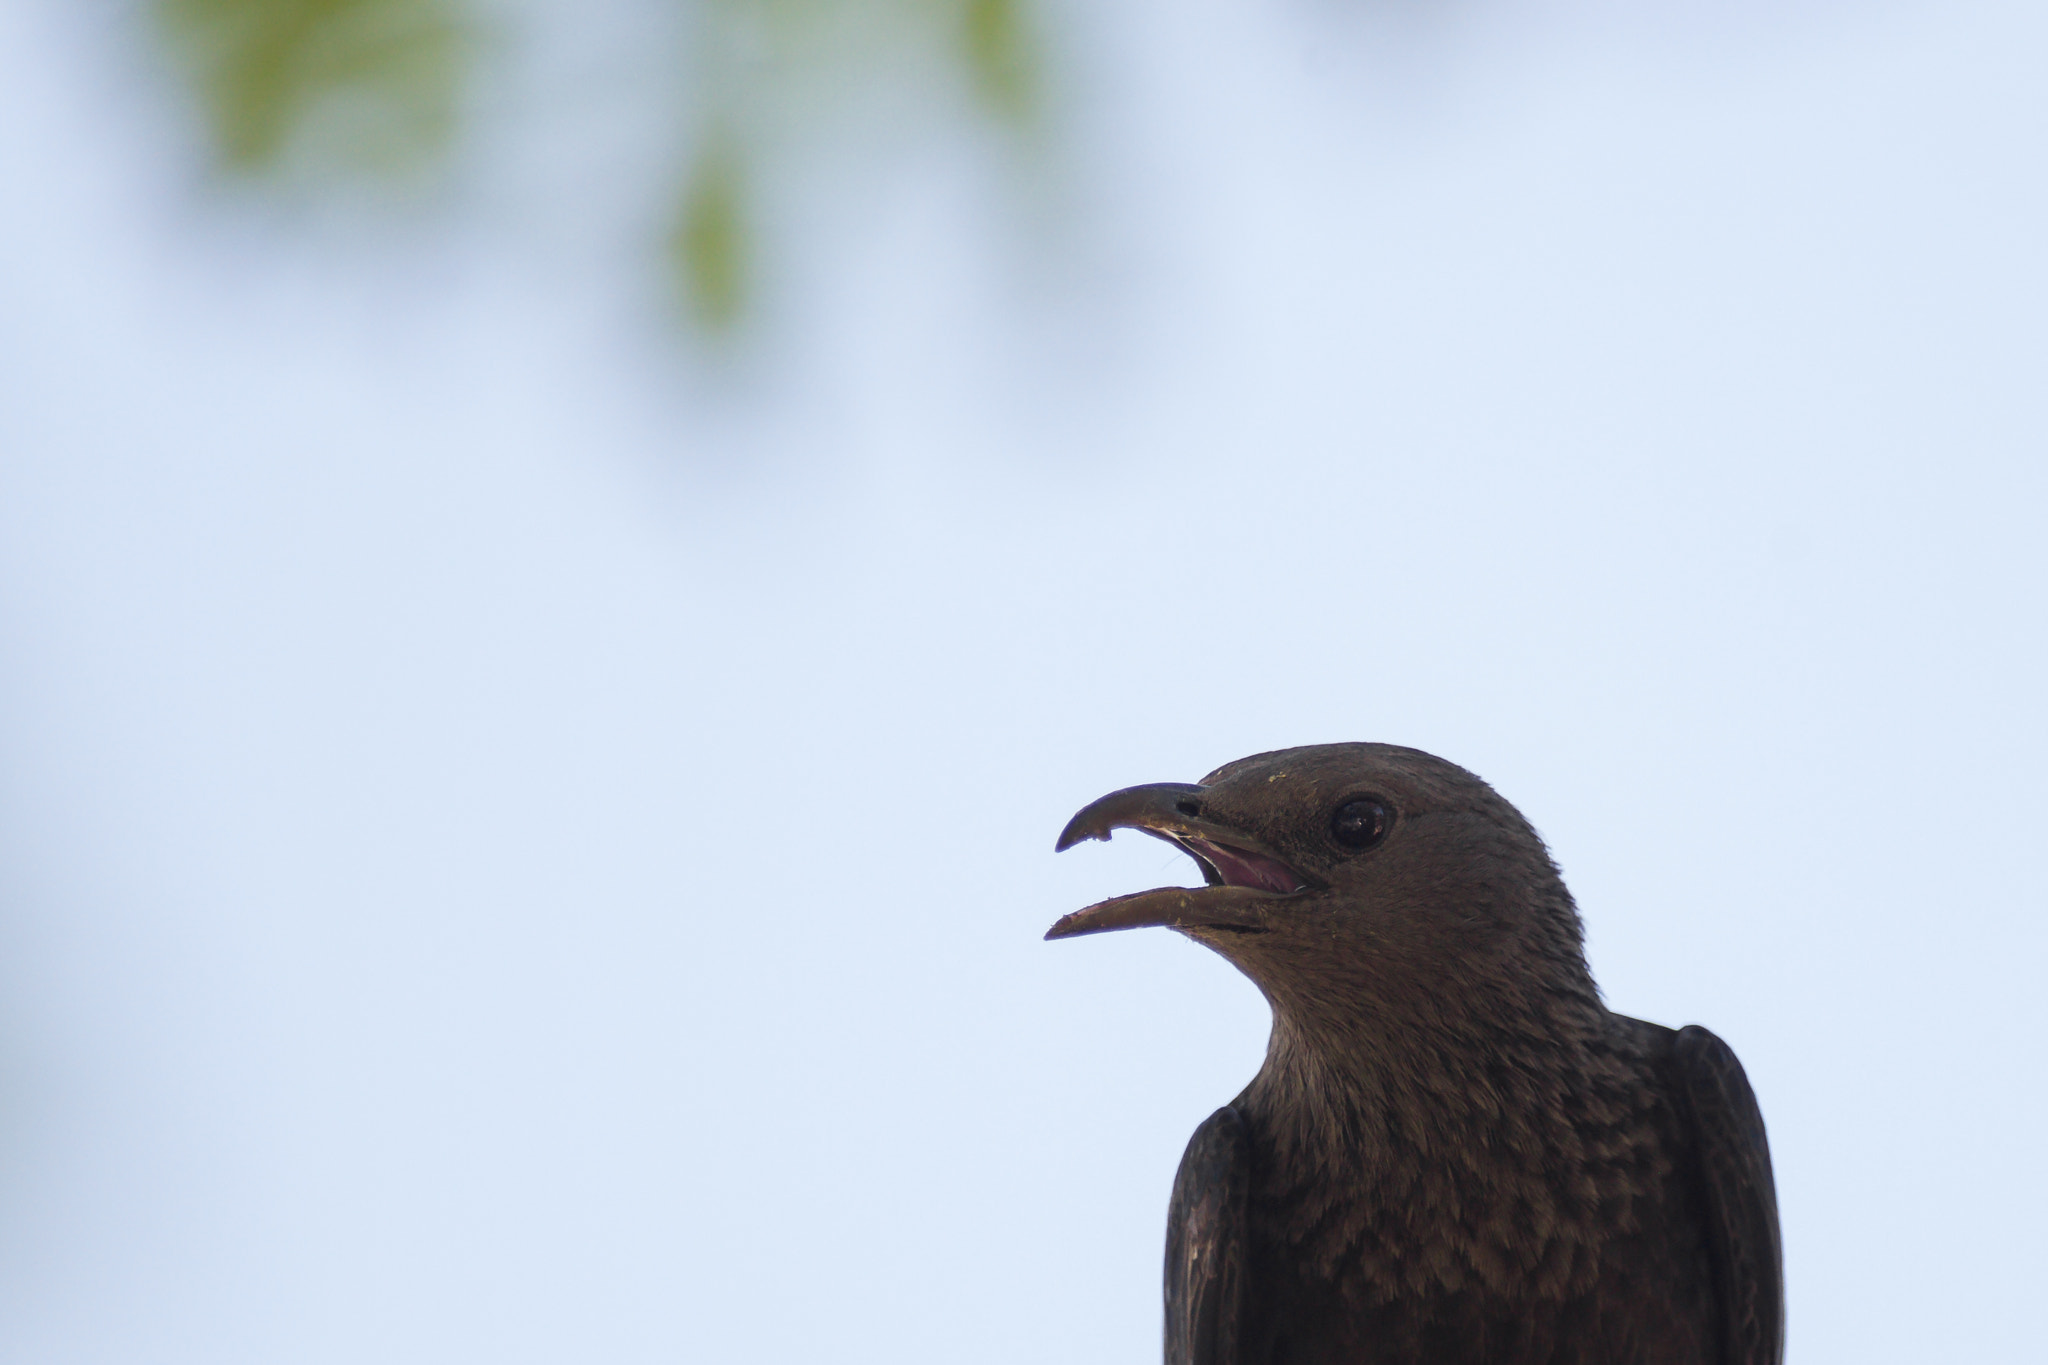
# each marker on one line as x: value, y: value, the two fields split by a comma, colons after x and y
x: 519, y: 847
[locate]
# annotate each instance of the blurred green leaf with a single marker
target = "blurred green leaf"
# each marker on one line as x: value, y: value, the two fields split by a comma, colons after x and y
x: 1002, y: 59
x: 321, y: 86
x: 360, y: 83
x: 710, y: 243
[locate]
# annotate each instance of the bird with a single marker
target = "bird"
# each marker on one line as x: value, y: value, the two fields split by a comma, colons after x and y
x: 1453, y: 1152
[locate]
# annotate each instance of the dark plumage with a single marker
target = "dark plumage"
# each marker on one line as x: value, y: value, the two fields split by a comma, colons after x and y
x: 1454, y: 1153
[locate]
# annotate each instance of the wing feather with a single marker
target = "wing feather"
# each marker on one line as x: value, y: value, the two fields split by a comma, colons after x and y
x: 1205, y: 1244
x: 1741, y: 1197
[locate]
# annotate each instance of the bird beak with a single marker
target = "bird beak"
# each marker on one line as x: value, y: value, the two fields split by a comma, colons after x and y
x: 1244, y: 879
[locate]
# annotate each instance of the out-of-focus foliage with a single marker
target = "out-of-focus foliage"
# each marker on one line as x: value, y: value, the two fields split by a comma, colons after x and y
x: 365, y: 84
x: 770, y: 71
x: 327, y: 86
x: 710, y: 244
x: 1002, y: 57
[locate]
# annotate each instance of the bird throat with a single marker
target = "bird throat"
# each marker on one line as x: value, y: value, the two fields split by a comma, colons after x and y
x: 1496, y: 1159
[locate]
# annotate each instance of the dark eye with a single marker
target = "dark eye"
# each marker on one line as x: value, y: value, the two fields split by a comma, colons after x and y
x: 1361, y: 822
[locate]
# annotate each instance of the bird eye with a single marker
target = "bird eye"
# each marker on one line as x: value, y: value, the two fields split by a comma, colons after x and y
x: 1361, y: 822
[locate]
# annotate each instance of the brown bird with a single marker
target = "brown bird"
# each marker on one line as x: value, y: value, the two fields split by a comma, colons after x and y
x: 1454, y: 1153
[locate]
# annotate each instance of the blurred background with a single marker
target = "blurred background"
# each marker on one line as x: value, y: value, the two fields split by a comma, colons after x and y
x: 561, y: 567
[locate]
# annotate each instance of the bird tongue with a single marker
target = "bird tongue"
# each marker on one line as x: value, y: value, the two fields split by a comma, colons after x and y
x: 1239, y: 867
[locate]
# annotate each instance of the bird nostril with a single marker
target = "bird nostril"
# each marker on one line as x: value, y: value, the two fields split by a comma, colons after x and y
x: 1188, y: 806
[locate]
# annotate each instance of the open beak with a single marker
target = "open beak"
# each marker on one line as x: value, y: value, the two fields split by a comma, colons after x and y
x: 1244, y: 879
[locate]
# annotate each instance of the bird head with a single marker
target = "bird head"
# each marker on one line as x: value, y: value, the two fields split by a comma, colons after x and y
x: 1347, y: 865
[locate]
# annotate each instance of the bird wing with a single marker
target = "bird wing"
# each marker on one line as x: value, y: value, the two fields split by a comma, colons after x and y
x: 1205, y: 1244
x: 1741, y: 1198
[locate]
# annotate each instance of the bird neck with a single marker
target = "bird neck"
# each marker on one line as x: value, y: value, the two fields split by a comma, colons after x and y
x: 1405, y: 1141
x: 1438, y: 1057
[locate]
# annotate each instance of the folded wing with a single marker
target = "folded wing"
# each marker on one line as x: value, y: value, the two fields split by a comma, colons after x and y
x: 1205, y: 1245
x: 1741, y: 1198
